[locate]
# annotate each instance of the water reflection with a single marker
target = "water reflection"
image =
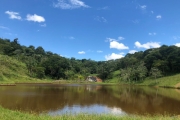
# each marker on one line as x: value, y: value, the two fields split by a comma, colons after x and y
x: 94, y: 109
x: 75, y: 98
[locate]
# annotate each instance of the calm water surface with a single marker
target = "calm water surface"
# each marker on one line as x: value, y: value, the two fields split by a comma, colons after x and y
x: 75, y: 98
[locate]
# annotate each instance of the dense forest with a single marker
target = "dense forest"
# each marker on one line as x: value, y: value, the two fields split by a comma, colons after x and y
x: 155, y: 62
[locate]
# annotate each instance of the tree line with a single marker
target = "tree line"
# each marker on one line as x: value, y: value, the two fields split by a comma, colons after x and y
x: 155, y: 62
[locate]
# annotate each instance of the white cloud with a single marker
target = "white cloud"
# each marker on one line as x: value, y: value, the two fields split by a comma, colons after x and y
x: 35, y: 18
x: 114, y: 56
x: 143, y: 7
x: 132, y: 51
x: 13, y: 15
x: 176, y: 37
x: 70, y: 4
x: 121, y: 38
x: 104, y: 8
x: 100, y: 19
x: 43, y: 25
x: 99, y: 51
x: 158, y: 17
x: 147, y: 45
x: 177, y: 44
x: 2, y: 27
x: 112, y: 39
x: 117, y: 45
x: 151, y: 34
x: 81, y: 52
x: 135, y: 21
x: 72, y: 38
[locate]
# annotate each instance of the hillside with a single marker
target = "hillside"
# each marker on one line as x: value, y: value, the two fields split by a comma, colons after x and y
x: 12, y: 70
x: 151, y: 64
x: 166, y: 81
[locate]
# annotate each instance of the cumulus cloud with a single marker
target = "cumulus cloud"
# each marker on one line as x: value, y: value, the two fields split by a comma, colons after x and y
x: 147, y: 45
x: 158, y: 17
x: 151, y: 34
x: 99, y: 51
x: 132, y: 51
x: 13, y: 15
x: 104, y: 8
x: 43, y: 25
x: 117, y: 45
x: 143, y: 7
x: 35, y: 18
x: 70, y: 4
x: 81, y: 52
x: 121, y: 38
x: 71, y: 38
x: 177, y: 44
x: 100, y: 19
x: 114, y: 56
x: 112, y: 39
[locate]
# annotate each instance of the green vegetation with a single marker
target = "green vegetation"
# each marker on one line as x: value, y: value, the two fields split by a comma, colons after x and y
x: 167, y: 81
x: 12, y: 69
x: 21, y: 63
x: 16, y: 115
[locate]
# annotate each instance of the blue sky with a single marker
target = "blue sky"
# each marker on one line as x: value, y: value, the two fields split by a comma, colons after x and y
x: 91, y: 29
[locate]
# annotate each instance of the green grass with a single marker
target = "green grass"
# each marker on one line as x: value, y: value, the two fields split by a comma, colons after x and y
x: 169, y: 81
x: 12, y: 71
x: 7, y: 114
x: 115, y: 77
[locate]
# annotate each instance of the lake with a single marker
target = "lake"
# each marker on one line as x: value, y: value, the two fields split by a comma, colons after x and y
x: 58, y: 99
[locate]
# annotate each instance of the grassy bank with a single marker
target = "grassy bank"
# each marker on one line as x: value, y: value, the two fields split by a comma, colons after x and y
x: 169, y: 81
x: 12, y: 70
x: 6, y: 114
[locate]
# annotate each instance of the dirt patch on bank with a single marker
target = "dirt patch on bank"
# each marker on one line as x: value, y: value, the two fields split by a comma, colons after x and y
x: 177, y: 85
x: 98, y: 79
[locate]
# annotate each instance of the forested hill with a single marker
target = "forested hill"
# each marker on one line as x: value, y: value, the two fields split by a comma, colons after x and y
x: 154, y: 62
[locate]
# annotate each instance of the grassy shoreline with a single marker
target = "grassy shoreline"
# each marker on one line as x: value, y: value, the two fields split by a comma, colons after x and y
x: 7, y: 114
x: 165, y: 82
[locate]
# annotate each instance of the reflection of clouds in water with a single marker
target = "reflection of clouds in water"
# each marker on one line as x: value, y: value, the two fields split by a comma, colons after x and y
x: 94, y: 109
x: 116, y: 111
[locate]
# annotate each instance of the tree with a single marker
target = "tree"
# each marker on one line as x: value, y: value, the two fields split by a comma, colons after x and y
x: 31, y: 64
x: 155, y: 72
x: 40, y: 72
x: 126, y: 74
x: 40, y: 50
x: 142, y: 70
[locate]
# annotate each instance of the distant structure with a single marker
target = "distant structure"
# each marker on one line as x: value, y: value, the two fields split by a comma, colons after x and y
x: 93, y: 79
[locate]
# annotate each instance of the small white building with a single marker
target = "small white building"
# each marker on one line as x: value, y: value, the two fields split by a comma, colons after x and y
x: 91, y: 79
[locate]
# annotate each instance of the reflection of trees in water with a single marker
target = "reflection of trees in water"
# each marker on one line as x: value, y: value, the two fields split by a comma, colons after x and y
x: 129, y: 99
